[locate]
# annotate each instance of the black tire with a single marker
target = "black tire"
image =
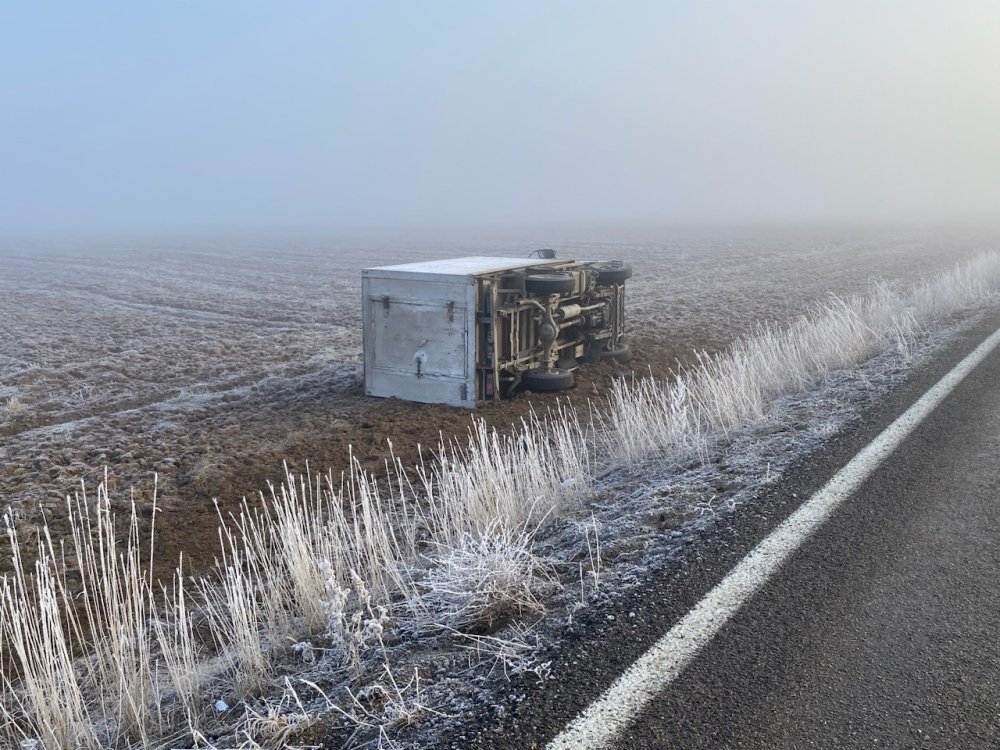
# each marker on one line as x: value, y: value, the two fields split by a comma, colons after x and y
x: 612, y: 271
x: 620, y: 353
x: 546, y: 381
x: 549, y: 283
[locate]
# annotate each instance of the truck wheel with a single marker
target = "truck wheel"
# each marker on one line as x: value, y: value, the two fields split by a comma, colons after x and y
x: 620, y: 353
x: 612, y: 271
x: 549, y: 283
x: 546, y: 381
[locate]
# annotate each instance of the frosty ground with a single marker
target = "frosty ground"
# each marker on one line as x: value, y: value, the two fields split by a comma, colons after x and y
x: 212, y: 363
x: 211, y: 367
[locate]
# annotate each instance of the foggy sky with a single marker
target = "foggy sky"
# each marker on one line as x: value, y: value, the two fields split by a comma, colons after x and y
x: 220, y: 115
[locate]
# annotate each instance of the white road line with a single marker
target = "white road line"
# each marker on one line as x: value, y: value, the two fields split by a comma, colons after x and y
x: 600, y: 723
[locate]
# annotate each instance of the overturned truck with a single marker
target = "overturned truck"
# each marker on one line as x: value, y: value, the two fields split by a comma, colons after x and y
x: 463, y: 330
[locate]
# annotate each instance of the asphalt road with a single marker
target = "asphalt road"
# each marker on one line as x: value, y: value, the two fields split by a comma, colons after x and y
x: 882, y: 630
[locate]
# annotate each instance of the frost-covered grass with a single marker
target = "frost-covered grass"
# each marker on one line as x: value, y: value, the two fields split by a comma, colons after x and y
x: 680, y: 416
x: 446, y: 546
x: 13, y: 407
x: 337, y: 557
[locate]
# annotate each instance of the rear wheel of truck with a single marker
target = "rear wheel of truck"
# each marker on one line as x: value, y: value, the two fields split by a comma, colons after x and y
x: 549, y: 283
x: 621, y: 353
x: 546, y: 381
x: 612, y: 271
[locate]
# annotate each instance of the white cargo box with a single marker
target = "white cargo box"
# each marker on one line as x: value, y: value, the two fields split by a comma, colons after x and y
x: 420, y: 327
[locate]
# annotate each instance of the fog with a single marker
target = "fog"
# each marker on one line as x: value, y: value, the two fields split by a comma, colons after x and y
x: 194, y: 116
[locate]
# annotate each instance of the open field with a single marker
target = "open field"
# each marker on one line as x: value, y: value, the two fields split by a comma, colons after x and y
x: 212, y: 364
x: 474, y: 512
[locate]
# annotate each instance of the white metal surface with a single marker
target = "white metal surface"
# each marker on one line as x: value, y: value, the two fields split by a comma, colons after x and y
x: 470, y: 266
x: 419, y: 336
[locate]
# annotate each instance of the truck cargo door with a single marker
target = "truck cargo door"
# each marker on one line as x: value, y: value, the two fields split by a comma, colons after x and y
x: 423, y: 339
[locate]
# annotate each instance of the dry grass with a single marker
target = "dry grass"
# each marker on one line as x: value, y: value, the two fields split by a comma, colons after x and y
x: 484, y: 580
x: 317, y: 557
x: 93, y: 590
x: 13, y: 407
x: 679, y: 417
x: 447, y: 543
